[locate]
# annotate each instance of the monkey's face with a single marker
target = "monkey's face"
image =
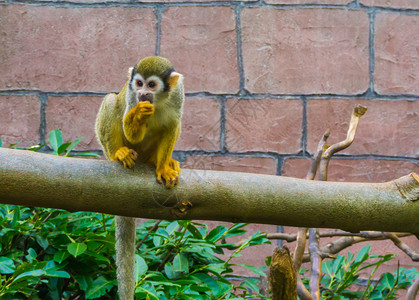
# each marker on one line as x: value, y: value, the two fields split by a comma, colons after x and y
x: 146, y: 89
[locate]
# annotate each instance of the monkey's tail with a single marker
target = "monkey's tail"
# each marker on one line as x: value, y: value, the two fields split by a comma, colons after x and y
x: 125, y: 256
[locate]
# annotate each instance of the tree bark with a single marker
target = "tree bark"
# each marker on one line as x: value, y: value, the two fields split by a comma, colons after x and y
x: 282, y: 275
x: 76, y: 184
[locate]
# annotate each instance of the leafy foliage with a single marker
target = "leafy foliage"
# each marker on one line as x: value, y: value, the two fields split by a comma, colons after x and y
x: 179, y: 261
x: 343, y: 272
x: 54, y: 254
x: 55, y: 140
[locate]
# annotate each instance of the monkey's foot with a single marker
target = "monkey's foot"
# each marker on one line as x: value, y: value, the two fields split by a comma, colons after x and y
x: 126, y: 156
x: 170, y: 176
x: 174, y: 164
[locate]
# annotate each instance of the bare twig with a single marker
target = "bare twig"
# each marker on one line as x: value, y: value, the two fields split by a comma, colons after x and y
x: 402, y: 246
x: 302, y: 291
x: 338, y: 245
x: 333, y: 233
x: 413, y: 290
x: 300, y: 247
x: 321, y: 147
x: 148, y: 233
x: 316, y: 263
x: 357, y: 112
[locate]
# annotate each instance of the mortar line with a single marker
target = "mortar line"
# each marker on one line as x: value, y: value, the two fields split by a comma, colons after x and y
x: 304, y: 126
x: 237, y: 10
x: 372, y: 15
x: 158, y: 11
x: 350, y: 6
x: 223, y: 144
x: 43, y: 98
x: 248, y: 96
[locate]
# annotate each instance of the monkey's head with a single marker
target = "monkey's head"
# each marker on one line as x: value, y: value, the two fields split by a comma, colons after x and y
x: 152, y: 78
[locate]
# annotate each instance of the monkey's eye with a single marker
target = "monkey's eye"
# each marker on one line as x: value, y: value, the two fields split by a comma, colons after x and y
x: 151, y: 84
x: 139, y: 83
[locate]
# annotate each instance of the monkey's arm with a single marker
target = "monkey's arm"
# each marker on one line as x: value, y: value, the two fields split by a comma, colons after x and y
x: 109, y: 131
x: 166, y: 167
x: 135, y: 121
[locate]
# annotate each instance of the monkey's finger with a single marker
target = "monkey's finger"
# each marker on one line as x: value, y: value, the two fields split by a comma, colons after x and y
x: 134, y: 154
x: 159, y: 179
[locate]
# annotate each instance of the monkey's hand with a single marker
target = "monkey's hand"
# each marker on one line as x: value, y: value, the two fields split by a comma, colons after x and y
x: 170, y: 176
x: 126, y: 156
x: 143, y: 111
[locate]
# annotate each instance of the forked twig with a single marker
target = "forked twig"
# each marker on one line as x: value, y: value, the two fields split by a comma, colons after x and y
x: 357, y: 112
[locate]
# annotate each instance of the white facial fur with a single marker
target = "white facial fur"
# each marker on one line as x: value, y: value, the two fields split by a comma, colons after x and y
x: 151, y: 86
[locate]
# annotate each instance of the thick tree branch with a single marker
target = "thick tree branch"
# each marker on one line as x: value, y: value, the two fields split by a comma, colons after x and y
x: 35, y: 179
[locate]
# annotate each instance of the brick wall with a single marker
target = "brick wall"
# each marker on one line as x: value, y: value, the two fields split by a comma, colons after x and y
x: 264, y: 79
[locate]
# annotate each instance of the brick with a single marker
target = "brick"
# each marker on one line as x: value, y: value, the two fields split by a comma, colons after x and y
x: 413, y: 4
x: 296, y: 167
x: 259, y: 165
x: 264, y: 125
x: 396, y: 54
x: 300, y: 51
x: 75, y: 117
x: 20, y: 120
x: 200, y: 125
x: 72, y: 49
x: 388, y: 127
x: 203, y: 47
x: 308, y: 1
x: 354, y: 170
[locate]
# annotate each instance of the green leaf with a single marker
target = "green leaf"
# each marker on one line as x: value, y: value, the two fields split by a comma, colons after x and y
x: 143, y: 293
x: 388, y: 280
x: 63, y: 147
x: 140, y: 267
x: 180, y: 263
x: 99, y: 288
x: 84, y: 281
x: 33, y: 273
x: 170, y: 273
x: 254, y: 269
x: 73, y: 144
x: 363, y: 254
x: 31, y: 255
x: 55, y: 140
x: 16, y: 216
x: 216, y: 234
x: 76, y: 249
x: 61, y: 256
x: 173, y: 226
x: 7, y: 265
x: 58, y: 273
x: 43, y: 242
x: 84, y: 154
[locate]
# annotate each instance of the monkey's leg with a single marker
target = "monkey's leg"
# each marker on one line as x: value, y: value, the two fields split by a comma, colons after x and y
x: 164, y: 163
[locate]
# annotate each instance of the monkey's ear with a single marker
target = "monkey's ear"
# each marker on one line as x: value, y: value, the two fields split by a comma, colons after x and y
x: 174, y: 78
x: 130, y: 72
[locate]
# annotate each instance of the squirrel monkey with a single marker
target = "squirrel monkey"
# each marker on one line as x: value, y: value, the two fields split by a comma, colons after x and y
x: 141, y: 123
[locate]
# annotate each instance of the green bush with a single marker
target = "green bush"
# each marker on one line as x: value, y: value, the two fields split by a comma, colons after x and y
x: 343, y: 272
x: 54, y: 254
